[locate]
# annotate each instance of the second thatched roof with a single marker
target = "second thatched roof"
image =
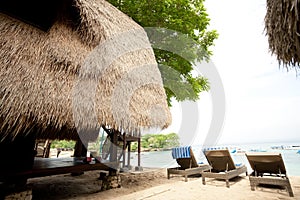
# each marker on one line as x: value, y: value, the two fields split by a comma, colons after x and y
x: 94, y: 64
x: 282, y: 25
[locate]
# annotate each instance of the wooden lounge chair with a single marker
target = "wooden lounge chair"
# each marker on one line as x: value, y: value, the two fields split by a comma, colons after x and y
x: 222, y: 166
x: 187, y: 163
x: 268, y: 168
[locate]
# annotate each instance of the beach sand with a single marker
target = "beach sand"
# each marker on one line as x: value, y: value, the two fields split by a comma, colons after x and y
x: 153, y: 184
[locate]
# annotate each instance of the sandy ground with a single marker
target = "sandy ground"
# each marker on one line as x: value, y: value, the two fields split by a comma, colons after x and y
x: 153, y: 184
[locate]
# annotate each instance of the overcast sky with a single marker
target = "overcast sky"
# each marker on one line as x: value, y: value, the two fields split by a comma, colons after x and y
x: 262, y: 99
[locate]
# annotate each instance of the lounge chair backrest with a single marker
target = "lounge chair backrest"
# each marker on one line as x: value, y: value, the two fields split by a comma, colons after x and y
x: 220, y: 160
x: 184, y: 157
x: 266, y: 163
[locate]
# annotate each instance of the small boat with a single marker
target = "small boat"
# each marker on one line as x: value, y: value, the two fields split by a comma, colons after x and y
x: 293, y: 147
x: 278, y: 147
x: 258, y: 150
x: 240, y: 151
x: 287, y: 147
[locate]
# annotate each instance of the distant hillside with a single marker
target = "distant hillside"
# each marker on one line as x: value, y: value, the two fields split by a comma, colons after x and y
x: 153, y: 142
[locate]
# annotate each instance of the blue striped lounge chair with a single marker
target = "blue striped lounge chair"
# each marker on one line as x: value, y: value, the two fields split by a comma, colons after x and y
x: 187, y: 164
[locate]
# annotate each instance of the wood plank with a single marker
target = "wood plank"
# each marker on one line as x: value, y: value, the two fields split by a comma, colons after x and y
x: 54, y: 166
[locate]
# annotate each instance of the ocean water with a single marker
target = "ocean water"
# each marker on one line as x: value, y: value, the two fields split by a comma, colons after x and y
x: 163, y: 159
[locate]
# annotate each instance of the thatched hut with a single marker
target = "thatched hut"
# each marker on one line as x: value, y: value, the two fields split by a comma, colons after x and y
x: 71, y: 66
x: 282, y: 25
x: 41, y: 70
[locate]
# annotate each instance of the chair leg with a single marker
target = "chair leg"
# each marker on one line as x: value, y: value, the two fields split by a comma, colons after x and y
x: 227, y: 183
x: 203, y: 180
x: 168, y: 174
x: 185, y: 178
x: 289, y: 189
x: 252, y: 184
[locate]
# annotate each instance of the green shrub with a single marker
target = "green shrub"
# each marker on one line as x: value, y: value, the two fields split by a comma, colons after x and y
x: 63, y: 144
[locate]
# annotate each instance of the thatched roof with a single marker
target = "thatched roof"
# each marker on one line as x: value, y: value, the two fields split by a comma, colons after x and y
x: 282, y: 25
x: 47, y: 78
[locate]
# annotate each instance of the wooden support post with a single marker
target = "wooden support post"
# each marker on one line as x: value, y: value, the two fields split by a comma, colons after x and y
x: 124, y: 149
x: 139, y: 151
x: 128, y: 157
x: 113, y: 151
x: 139, y: 167
x: 80, y: 149
x: 113, y: 147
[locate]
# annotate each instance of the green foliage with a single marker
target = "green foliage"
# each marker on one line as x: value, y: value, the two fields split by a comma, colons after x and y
x: 157, y: 141
x: 184, y: 16
x: 63, y: 144
x: 134, y: 146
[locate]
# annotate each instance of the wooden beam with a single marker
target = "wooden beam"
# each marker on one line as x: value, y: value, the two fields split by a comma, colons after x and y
x: 124, y: 149
x: 139, y: 151
x: 128, y: 156
x: 54, y: 166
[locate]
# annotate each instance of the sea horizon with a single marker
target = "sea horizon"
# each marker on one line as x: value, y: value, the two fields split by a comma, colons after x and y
x: 163, y: 159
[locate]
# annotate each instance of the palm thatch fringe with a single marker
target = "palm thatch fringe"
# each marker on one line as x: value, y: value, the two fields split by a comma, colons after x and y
x: 282, y: 28
x: 43, y: 75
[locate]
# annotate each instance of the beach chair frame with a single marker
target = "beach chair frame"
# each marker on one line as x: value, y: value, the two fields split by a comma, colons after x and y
x: 222, y: 166
x: 269, y: 169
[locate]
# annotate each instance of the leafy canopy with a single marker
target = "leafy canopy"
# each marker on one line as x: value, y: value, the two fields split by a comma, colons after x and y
x: 184, y: 16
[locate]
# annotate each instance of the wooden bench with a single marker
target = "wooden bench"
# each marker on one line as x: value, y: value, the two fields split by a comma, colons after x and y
x: 54, y: 166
